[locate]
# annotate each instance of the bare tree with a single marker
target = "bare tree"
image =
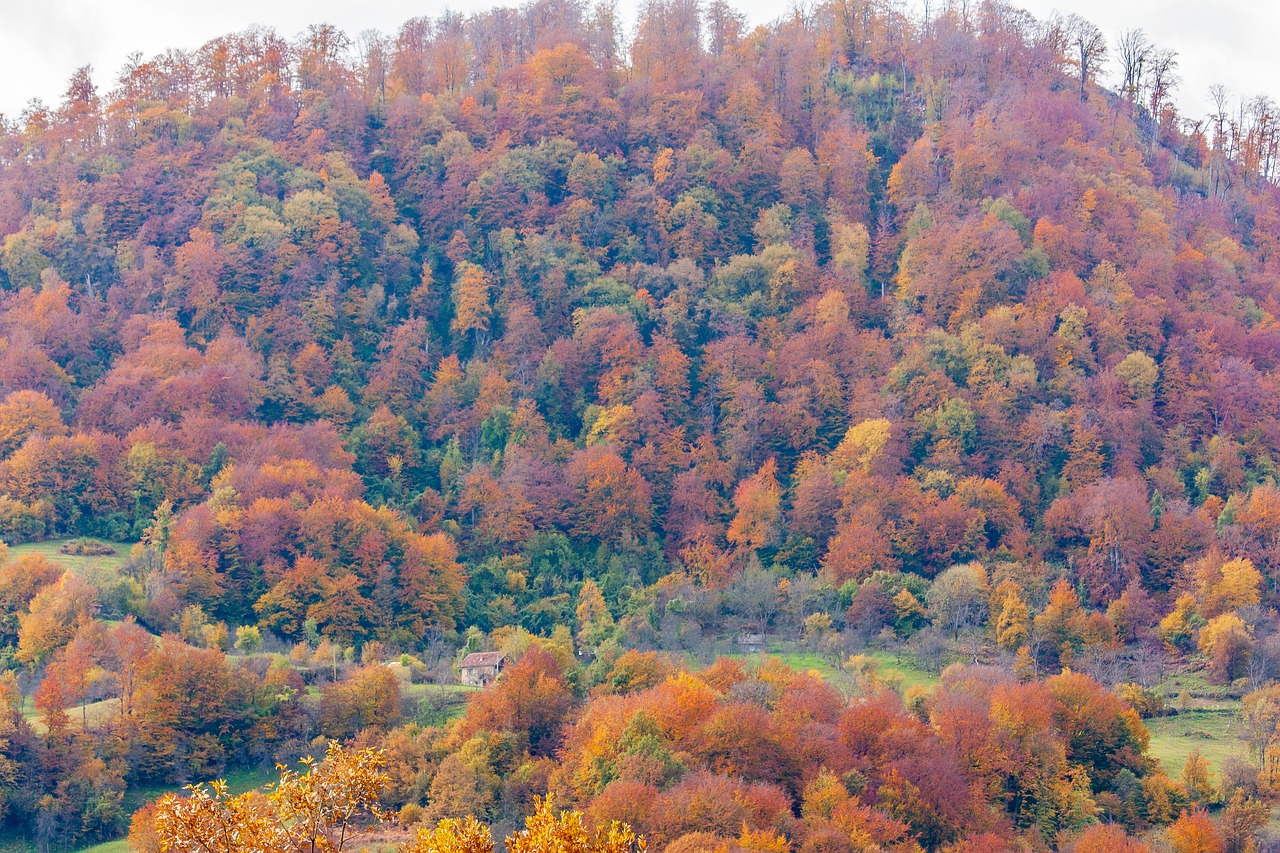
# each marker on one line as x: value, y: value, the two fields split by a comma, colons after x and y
x: 375, y: 52
x: 1262, y: 664
x: 1219, y: 95
x: 1219, y: 148
x: 1162, y: 79
x: 1135, y: 51
x: 604, y: 27
x: 1256, y: 137
x: 1088, y: 50
x: 930, y: 646
x: 753, y: 597
x: 724, y: 26
x: 1051, y: 44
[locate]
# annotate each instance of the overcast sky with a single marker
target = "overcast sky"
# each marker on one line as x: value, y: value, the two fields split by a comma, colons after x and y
x: 43, y: 41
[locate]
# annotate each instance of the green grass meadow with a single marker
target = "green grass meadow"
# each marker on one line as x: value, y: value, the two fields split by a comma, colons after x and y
x: 1214, y: 732
x: 49, y: 550
x: 889, y: 666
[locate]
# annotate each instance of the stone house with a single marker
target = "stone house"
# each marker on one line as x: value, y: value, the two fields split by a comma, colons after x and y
x: 481, y: 668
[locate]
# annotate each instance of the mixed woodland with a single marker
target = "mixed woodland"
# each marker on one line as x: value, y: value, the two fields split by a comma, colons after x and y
x: 929, y: 342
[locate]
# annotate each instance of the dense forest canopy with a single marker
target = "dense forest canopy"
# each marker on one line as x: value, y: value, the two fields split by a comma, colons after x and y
x: 514, y: 331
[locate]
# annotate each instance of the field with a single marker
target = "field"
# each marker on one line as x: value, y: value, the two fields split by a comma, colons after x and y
x: 431, y: 704
x: 77, y: 564
x: 108, y: 847
x: 1207, y: 720
x: 120, y: 846
x: 90, y: 717
x: 888, y: 665
x: 913, y: 675
x: 1212, y: 731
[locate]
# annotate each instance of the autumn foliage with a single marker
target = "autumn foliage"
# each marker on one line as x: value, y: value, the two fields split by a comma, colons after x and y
x: 868, y: 331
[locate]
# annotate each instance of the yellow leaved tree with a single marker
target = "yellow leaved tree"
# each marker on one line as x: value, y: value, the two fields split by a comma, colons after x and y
x: 546, y: 831
x: 333, y: 806
x: 549, y: 831
x: 452, y: 836
x: 862, y: 445
x: 322, y: 809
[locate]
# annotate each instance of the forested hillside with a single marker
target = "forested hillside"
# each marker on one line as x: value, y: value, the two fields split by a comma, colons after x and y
x: 880, y: 336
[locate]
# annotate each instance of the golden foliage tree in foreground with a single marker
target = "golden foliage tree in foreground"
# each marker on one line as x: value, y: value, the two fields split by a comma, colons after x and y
x: 333, y: 805
x: 323, y: 809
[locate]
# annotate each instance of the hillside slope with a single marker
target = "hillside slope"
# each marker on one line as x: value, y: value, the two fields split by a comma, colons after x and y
x: 854, y: 327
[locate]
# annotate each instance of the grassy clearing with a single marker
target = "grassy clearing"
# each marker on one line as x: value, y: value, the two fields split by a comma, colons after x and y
x: 120, y: 846
x: 418, y: 691
x: 905, y: 665
x: 798, y: 658
x: 436, y: 704
x: 1207, y: 719
x: 239, y: 780
x: 1189, y: 688
x: 49, y: 550
x: 1215, y: 732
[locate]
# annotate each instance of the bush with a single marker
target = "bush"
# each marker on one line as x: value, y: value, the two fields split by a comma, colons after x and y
x: 86, y: 548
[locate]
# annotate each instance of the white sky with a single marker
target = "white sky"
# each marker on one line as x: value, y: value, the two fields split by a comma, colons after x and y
x: 43, y: 41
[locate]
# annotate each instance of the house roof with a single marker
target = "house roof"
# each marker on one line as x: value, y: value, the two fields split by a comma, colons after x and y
x: 476, y: 659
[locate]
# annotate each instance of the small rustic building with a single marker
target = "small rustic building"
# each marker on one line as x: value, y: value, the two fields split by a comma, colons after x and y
x: 481, y: 668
